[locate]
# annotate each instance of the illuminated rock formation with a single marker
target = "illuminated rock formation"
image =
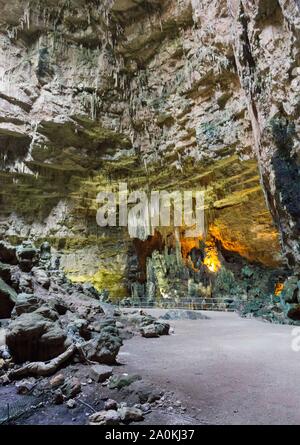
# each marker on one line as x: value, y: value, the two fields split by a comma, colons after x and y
x: 163, y: 95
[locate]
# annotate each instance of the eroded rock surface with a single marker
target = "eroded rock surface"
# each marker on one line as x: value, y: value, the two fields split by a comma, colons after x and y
x: 162, y: 95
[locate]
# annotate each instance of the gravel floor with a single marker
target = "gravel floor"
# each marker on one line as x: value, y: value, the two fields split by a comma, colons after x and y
x: 225, y: 370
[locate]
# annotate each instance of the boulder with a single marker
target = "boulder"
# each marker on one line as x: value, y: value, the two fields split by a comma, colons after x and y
x: 78, y: 330
x: 110, y: 417
x: 145, y: 393
x: 26, y: 255
x: 128, y: 414
x: 7, y: 253
x: 100, y: 373
x: 57, y: 380
x: 106, y: 325
x: 5, y: 272
x: 26, y: 303
x: 41, y: 277
x: 162, y: 328
x: 149, y: 331
x: 46, y: 312
x: 293, y: 311
x: 123, y: 380
x: 58, y: 397
x: 291, y: 290
x: 21, y: 281
x: 180, y: 314
x: 110, y: 404
x: 103, y: 348
x: 90, y: 290
x: 26, y: 386
x: 32, y: 337
x: 8, y: 298
x: 71, y: 387
x: 71, y: 404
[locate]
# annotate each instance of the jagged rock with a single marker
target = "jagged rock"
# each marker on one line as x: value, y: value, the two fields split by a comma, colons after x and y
x: 162, y: 328
x: 8, y: 298
x: 71, y: 387
x: 293, y: 311
x: 58, y: 397
x: 110, y: 417
x: 35, y: 338
x: 78, y: 329
x: 110, y: 404
x: 59, y: 305
x: 90, y: 290
x: 178, y: 314
x: 149, y: 331
x: 7, y: 253
x: 26, y: 255
x: 145, y: 393
x: 5, y: 272
x: 214, y: 104
x: 57, y: 380
x: 147, y: 320
x: 154, y: 329
x: 4, y: 380
x: 41, y: 277
x: 123, y: 380
x: 26, y: 303
x: 106, y: 325
x: 25, y: 386
x: 291, y: 290
x: 21, y: 281
x: 46, y: 312
x: 100, y: 373
x: 128, y: 414
x: 71, y: 404
x: 103, y: 349
x: 146, y: 408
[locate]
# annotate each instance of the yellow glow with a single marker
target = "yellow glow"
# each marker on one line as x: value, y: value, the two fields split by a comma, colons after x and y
x: 211, y: 259
x: 278, y: 288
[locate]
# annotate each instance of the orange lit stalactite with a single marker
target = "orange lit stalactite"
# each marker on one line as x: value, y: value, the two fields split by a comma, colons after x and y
x: 278, y: 288
x: 211, y: 259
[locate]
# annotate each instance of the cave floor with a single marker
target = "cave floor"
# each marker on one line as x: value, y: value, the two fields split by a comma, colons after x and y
x: 225, y: 370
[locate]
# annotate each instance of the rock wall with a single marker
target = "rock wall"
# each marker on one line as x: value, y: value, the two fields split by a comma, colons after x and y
x: 168, y: 94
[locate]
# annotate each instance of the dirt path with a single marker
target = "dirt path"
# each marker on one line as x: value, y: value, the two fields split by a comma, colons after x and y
x: 225, y: 370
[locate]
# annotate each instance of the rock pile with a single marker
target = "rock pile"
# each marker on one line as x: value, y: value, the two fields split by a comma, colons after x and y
x: 48, y: 312
x: 51, y: 323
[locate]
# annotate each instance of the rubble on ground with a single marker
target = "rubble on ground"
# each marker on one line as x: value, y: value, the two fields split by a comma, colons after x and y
x: 61, y: 339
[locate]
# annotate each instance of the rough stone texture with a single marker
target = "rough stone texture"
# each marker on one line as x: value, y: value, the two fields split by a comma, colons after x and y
x: 149, y: 331
x: 26, y: 303
x: 8, y: 299
x: 35, y: 338
x: 163, y: 95
x: 103, y: 349
x: 129, y: 414
x: 110, y: 417
x: 100, y: 373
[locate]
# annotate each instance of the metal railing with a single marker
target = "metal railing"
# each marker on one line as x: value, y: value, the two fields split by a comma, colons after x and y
x: 208, y: 304
x: 14, y: 410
